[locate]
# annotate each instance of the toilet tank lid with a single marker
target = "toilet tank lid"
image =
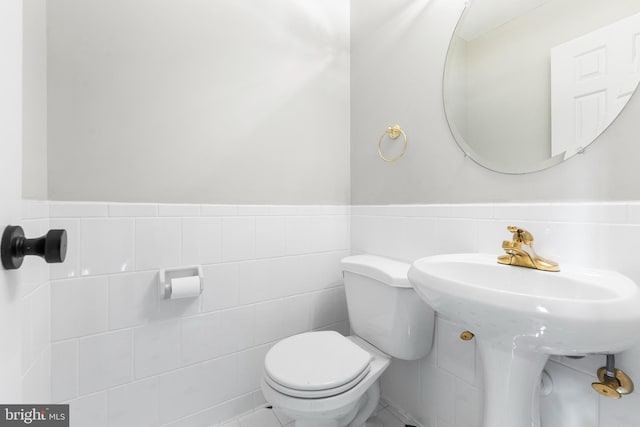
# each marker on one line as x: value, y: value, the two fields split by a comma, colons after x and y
x: 385, y: 270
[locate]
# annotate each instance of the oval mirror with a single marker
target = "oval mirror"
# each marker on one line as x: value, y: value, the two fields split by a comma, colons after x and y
x: 530, y: 83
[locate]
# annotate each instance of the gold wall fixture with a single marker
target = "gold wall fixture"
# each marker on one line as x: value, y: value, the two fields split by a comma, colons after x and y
x: 467, y: 336
x: 519, y: 256
x: 613, y: 382
x: 393, y: 132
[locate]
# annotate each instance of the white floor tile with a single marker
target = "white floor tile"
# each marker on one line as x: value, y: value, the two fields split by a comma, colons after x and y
x: 284, y: 419
x: 267, y: 418
x: 391, y: 418
x: 260, y: 418
x: 387, y: 419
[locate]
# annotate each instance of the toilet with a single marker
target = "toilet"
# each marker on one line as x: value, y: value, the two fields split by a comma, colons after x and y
x: 324, y: 379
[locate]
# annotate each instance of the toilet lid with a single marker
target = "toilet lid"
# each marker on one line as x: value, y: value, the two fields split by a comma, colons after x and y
x: 316, y: 361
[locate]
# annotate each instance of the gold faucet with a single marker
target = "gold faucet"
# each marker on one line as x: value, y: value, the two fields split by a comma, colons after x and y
x: 517, y: 255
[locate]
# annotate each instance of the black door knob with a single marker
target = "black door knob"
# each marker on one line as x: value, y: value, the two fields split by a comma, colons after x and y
x: 52, y: 246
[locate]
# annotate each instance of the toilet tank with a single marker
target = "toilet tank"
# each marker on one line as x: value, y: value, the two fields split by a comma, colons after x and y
x: 384, y: 310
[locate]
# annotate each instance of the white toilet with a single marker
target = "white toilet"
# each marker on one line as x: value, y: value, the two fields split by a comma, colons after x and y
x: 323, y: 379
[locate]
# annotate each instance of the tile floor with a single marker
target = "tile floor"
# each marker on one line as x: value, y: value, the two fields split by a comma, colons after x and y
x: 264, y: 417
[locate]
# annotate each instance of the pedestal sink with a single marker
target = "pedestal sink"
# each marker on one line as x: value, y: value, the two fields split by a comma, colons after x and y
x: 520, y: 316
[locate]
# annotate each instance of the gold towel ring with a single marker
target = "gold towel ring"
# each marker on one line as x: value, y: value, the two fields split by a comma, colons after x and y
x: 393, y: 132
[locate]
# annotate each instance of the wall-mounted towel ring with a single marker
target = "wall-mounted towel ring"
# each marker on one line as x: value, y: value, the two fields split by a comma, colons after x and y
x: 393, y: 132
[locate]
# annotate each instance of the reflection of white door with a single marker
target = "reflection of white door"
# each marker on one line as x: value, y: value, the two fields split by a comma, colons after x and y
x: 592, y: 78
x: 10, y: 188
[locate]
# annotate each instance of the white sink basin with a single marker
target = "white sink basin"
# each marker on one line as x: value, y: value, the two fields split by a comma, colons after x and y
x: 574, y: 311
x: 520, y: 316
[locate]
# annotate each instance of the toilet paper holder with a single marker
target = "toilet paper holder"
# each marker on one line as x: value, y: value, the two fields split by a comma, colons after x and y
x: 166, y: 275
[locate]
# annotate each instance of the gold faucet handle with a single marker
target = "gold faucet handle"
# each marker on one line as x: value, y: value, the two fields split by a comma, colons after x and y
x: 511, y: 244
x: 521, y: 235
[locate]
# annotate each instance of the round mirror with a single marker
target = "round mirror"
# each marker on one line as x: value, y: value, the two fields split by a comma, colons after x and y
x: 530, y: 83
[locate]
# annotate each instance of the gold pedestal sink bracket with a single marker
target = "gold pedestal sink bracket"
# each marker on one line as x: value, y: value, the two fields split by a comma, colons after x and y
x: 466, y: 336
x: 520, y: 252
x: 613, y: 382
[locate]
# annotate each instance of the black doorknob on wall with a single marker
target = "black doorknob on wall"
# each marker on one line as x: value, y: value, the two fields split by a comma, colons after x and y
x: 52, y: 246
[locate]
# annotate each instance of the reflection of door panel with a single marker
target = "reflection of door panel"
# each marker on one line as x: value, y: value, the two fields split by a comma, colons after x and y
x: 592, y: 78
x: 590, y: 110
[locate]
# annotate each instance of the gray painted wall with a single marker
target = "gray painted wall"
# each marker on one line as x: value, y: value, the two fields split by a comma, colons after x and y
x: 240, y: 101
x: 265, y: 119
x: 34, y: 101
x: 397, y: 57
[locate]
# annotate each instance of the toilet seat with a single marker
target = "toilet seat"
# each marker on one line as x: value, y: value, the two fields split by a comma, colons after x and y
x: 316, y: 394
x: 315, y: 365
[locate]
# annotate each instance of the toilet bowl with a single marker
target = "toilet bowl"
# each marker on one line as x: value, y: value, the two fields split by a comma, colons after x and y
x: 324, y: 379
x: 319, y: 390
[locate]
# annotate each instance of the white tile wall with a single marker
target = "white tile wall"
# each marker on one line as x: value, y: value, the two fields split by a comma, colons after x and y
x: 35, y: 294
x: 602, y: 235
x: 98, y: 337
x: 121, y: 356
x: 156, y: 348
x: 90, y: 410
x: 107, y: 246
x: 79, y: 307
x: 64, y: 379
x: 158, y: 243
x: 104, y: 360
x: 134, y: 404
x: 201, y: 240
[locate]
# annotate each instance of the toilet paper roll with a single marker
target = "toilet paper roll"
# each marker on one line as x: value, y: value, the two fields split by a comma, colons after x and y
x: 185, y: 287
